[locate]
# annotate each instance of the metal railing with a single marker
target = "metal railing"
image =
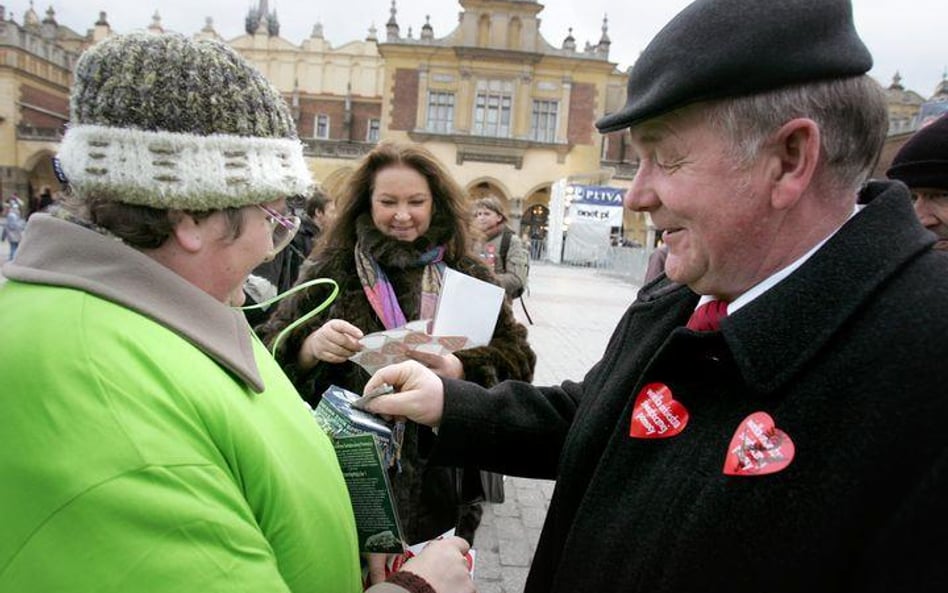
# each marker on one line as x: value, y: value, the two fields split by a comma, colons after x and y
x: 628, y: 263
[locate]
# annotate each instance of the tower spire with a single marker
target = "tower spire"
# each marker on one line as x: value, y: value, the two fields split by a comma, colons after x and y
x: 391, y: 27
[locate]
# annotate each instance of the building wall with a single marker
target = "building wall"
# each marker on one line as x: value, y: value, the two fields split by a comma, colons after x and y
x: 403, y: 105
x: 35, y: 76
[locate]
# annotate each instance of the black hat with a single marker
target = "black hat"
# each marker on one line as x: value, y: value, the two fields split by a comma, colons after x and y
x: 923, y: 160
x: 715, y: 49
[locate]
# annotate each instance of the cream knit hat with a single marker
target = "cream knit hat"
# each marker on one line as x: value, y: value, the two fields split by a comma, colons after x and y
x: 172, y: 123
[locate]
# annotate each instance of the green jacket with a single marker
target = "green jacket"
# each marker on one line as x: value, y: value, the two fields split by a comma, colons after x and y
x: 152, y: 444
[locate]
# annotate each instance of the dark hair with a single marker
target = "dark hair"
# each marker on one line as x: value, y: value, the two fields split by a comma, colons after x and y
x: 142, y: 227
x: 449, y: 210
x: 317, y: 202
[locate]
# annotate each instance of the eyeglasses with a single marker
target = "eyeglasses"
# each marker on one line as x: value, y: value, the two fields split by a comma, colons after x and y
x: 284, y: 228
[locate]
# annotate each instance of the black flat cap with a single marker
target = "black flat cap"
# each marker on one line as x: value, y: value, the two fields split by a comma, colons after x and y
x: 923, y: 160
x: 715, y: 49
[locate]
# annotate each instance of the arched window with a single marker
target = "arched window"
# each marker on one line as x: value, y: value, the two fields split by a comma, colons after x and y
x: 483, y: 31
x: 514, y: 34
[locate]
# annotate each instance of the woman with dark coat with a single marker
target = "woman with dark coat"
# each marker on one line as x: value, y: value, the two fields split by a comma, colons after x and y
x: 401, y: 221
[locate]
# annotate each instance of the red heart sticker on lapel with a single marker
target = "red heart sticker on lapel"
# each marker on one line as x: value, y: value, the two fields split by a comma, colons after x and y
x: 656, y: 414
x: 758, y: 448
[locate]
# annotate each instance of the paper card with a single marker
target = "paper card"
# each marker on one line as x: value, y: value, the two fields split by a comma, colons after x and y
x: 392, y: 345
x: 466, y: 316
x: 467, y: 307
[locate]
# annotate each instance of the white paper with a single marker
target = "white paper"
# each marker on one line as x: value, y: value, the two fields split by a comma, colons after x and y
x: 467, y: 307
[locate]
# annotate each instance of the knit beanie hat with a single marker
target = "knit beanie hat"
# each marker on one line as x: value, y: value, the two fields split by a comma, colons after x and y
x: 174, y: 123
x: 923, y: 160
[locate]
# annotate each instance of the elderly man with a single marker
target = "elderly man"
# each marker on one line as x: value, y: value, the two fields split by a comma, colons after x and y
x: 798, y: 444
x: 922, y: 164
x: 152, y: 444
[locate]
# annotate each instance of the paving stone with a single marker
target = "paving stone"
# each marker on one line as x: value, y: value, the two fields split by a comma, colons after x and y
x: 575, y: 311
x: 514, y: 579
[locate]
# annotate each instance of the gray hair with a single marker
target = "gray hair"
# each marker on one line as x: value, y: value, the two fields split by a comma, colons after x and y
x: 851, y: 114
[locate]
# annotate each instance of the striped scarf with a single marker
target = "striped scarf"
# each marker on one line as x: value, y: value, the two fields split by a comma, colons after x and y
x: 378, y: 289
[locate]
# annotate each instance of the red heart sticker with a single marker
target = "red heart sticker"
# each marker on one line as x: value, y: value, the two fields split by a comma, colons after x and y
x: 758, y: 448
x: 657, y: 415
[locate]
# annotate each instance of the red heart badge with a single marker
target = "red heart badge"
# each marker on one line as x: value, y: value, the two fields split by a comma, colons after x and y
x: 758, y: 448
x: 657, y: 415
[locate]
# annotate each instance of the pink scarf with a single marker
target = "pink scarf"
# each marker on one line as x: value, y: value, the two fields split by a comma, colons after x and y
x: 378, y: 289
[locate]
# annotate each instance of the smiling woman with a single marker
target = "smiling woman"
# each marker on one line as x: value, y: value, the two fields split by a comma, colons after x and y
x: 401, y: 203
x: 401, y: 223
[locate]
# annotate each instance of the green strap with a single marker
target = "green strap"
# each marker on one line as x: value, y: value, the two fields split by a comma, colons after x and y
x: 316, y: 311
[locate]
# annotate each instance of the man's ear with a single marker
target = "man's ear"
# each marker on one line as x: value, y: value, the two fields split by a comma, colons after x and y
x: 188, y: 233
x: 796, y: 152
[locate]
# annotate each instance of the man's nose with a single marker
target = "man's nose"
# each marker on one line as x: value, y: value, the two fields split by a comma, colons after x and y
x: 641, y: 197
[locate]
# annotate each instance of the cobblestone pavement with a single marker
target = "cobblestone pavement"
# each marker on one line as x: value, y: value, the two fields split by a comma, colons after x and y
x: 574, y: 311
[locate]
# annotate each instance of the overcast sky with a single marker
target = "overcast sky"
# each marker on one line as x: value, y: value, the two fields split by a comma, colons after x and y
x: 903, y: 35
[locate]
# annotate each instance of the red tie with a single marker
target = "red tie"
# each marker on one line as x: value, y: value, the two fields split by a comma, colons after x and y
x: 707, y: 317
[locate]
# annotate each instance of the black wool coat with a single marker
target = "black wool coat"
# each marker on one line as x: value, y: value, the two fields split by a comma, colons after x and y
x: 428, y: 497
x: 848, y: 355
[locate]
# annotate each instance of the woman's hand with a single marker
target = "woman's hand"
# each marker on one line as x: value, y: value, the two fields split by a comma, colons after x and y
x: 376, y: 563
x: 334, y: 342
x: 443, y: 565
x: 447, y: 365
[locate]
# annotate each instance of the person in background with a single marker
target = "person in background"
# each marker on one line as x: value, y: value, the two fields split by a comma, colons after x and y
x: 402, y: 221
x: 922, y: 165
x: 656, y: 263
x: 13, y: 225
x: 45, y: 199
x: 155, y: 444
x: 502, y: 249
x: 321, y: 211
x: 770, y: 415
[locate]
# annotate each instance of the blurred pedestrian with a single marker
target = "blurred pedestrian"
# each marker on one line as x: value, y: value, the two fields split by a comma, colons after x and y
x: 502, y: 249
x: 14, y: 223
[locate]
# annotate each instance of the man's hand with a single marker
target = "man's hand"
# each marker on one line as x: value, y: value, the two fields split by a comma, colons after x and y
x: 419, y: 393
x: 334, y: 342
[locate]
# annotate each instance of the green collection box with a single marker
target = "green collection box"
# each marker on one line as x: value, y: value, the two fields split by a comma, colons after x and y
x: 366, y: 446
